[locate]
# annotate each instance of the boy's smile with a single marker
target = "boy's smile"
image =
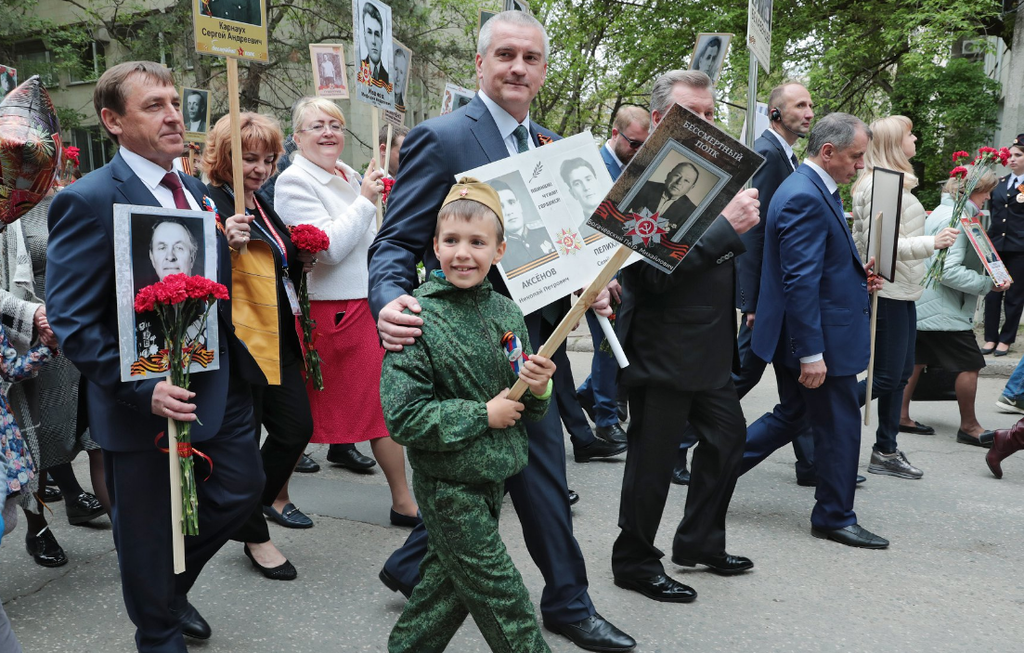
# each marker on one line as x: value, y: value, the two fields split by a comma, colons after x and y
x: 467, y: 249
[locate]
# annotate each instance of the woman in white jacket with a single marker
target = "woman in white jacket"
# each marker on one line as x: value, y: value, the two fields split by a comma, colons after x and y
x: 317, y: 189
x: 892, y: 146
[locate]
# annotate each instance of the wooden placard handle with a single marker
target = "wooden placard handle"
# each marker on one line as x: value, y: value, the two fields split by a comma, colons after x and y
x: 174, y: 467
x: 237, y: 182
x: 576, y: 313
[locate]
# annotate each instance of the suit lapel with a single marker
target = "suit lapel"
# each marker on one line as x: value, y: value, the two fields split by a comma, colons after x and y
x: 485, y: 131
x: 129, y: 185
x: 829, y: 201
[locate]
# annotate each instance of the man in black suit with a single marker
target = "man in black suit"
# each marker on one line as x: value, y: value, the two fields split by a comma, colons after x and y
x: 511, y: 65
x: 668, y: 200
x: 138, y: 106
x: 678, y: 332
x: 373, y: 41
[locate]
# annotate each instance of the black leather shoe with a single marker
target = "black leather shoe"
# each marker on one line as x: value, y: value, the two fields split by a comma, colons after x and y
x: 595, y: 633
x: 85, y: 507
x: 393, y: 583
x: 623, y: 409
x: 852, y: 535
x: 1000, y: 352
x: 918, y: 428
x: 284, y: 571
x: 192, y: 623
x: 290, y: 517
x: 398, y: 519
x: 45, y: 550
x: 597, y: 449
x: 349, y: 457
x: 49, y: 495
x: 307, y: 465
x: 573, y: 498
x: 660, y: 588
x: 613, y: 433
x: 814, y: 482
x: 587, y: 405
x: 681, y: 475
x: 722, y: 564
x: 984, y: 440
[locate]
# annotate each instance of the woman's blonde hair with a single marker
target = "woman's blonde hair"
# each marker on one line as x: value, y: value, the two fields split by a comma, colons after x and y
x: 259, y: 132
x: 302, y: 109
x: 886, y: 149
x: 988, y: 181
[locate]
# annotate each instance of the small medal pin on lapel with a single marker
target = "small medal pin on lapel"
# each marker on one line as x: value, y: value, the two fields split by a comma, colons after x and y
x: 514, y: 351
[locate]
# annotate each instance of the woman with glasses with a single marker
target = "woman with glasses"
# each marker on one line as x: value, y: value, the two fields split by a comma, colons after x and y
x: 319, y: 189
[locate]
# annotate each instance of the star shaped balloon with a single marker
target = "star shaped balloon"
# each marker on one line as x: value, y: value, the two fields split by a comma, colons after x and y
x: 30, y: 148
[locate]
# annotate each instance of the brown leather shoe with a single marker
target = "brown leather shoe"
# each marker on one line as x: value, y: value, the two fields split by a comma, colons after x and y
x: 1005, y: 443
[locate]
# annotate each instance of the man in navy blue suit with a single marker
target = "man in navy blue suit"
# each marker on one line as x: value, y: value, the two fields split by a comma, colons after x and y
x: 511, y: 65
x: 598, y: 393
x: 812, y: 323
x: 139, y: 107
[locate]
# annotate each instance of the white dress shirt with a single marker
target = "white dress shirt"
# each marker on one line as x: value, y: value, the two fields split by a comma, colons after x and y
x: 151, y: 174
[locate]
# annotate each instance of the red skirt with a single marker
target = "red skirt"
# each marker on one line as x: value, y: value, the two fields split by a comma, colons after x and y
x: 348, y: 409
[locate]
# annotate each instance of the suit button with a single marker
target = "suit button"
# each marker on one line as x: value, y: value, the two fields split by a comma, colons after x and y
x: 863, y: 284
x: 866, y: 311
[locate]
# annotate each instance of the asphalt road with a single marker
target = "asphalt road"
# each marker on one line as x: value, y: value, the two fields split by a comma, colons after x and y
x: 949, y: 582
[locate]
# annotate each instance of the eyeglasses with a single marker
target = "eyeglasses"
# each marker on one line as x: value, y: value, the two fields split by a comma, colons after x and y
x: 321, y: 127
x: 632, y: 144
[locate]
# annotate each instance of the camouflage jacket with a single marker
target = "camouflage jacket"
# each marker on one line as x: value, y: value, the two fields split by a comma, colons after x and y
x: 435, y: 392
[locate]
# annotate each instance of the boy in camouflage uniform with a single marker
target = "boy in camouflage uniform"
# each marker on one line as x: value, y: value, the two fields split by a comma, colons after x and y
x: 444, y: 399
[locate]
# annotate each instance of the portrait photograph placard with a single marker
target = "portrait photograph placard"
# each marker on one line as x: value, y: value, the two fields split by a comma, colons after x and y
x: 677, y: 184
x: 371, y: 22
x: 759, y: 31
x: 195, y: 109
x: 516, y: 5
x: 546, y: 196
x: 231, y: 28
x: 455, y: 97
x: 709, y: 53
x: 8, y: 80
x: 329, y: 76
x: 402, y: 58
x: 151, y: 243
x: 986, y: 252
x: 883, y: 239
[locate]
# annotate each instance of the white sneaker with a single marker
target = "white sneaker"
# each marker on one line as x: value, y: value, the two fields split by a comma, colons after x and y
x: 893, y: 464
x: 1007, y: 405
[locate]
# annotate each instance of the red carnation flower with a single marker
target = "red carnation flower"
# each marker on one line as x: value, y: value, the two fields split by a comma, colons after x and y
x: 310, y: 239
x: 958, y: 171
x: 960, y: 154
x: 389, y: 183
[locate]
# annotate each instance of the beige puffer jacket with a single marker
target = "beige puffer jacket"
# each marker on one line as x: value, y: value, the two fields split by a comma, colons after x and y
x: 911, y: 251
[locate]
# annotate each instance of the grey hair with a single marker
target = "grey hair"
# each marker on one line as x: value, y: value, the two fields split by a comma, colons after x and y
x: 837, y: 128
x: 517, y: 18
x: 661, y: 94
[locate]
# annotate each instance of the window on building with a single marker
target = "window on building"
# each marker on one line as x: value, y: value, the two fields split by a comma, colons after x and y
x: 33, y: 58
x: 96, y: 150
x: 91, y: 64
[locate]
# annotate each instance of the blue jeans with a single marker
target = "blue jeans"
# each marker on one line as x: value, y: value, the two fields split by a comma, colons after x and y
x: 895, y: 337
x: 1015, y: 386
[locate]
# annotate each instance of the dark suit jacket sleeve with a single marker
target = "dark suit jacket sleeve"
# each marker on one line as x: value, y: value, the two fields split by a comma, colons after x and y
x: 408, y: 229
x: 80, y: 293
x: 715, y: 245
x: 766, y: 180
x: 802, y: 237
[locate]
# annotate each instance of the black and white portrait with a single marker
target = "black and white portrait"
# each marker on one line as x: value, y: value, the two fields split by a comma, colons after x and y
x: 150, y: 244
x: 195, y: 109
x: 580, y: 178
x: 8, y: 80
x: 375, y: 39
x: 242, y: 11
x: 709, y: 54
x: 402, y: 57
x: 526, y: 239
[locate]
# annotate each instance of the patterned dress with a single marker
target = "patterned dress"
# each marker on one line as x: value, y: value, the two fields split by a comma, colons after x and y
x: 18, y: 467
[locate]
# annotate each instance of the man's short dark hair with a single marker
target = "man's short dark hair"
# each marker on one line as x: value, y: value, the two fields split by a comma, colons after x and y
x: 369, y: 9
x: 110, y: 88
x: 571, y: 164
x: 396, y: 133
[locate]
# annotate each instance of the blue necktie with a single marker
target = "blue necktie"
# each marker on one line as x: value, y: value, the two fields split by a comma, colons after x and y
x: 839, y: 201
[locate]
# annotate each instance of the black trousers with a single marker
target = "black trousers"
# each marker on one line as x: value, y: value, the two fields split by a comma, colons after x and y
x: 139, y: 487
x: 653, y: 440
x: 1011, y: 301
x: 284, y: 410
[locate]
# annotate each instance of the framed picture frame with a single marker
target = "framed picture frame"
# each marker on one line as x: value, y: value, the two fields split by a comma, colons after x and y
x: 986, y: 251
x: 195, y: 109
x: 887, y: 201
x: 150, y: 243
x: 330, y: 78
x: 709, y: 53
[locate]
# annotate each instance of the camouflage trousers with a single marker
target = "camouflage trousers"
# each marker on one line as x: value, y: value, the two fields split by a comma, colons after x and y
x: 466, y: 570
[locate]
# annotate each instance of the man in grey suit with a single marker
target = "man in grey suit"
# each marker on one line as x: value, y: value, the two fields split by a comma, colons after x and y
x: 511, y: 65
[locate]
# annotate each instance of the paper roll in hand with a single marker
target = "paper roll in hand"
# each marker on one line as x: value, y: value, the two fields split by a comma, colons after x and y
x: 30, y: 148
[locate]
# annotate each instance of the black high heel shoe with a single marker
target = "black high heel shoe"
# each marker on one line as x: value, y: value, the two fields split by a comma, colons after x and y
x: 285, y: 571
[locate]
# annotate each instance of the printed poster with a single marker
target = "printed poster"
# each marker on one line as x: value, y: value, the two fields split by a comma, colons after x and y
x: 455, y: 97
x: 375, y: 83
x: 231, y: 28
x: 329, y: 76
x: 986, y: 252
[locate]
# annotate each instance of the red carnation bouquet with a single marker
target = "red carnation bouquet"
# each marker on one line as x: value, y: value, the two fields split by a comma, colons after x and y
x: 308, y: 238
x: 182, y: 302
x: 389, y: 183
x: 987, y: 158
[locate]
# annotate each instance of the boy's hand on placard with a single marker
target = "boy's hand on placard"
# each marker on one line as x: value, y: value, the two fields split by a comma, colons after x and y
x: 536, y: 373
x: 502, y: 412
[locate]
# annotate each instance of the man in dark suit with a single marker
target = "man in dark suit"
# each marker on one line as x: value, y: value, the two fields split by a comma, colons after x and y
x: 668, y: 200
x: 678, y: 331
x: 373, y: 41
x: 138, y: 106
x: 790, y: 111
x: 511, y: 64
x: 1007, y: 235
x: 812, y: 323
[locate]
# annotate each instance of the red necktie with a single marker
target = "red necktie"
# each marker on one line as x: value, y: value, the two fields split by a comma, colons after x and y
x: 171, y: 181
